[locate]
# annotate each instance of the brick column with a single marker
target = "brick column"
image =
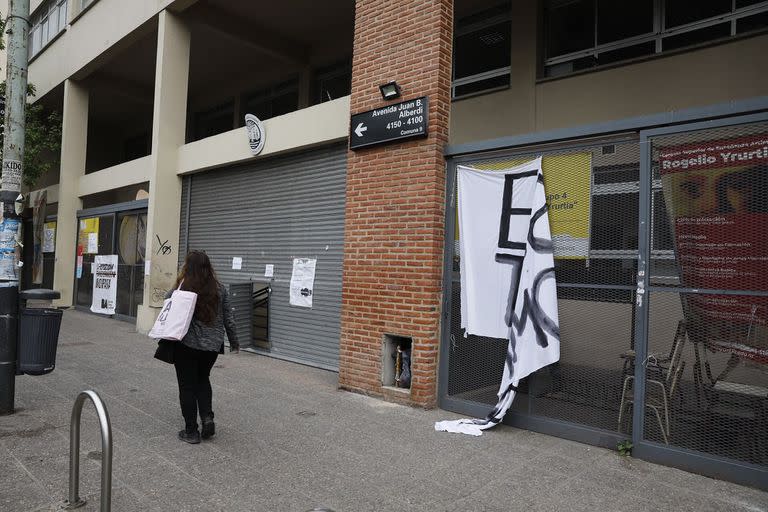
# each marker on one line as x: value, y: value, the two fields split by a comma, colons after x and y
x: 393, y: 249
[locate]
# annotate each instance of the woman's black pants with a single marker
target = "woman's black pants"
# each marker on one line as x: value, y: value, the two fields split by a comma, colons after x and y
x: 193, y: 370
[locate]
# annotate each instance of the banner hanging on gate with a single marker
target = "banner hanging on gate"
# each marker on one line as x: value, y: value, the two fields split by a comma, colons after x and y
x: 104, y: 284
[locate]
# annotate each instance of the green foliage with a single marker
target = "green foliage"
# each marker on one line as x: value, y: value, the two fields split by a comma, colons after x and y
x: 624, y: 447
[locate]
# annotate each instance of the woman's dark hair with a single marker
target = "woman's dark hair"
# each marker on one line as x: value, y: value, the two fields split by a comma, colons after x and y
x: 198, y: 276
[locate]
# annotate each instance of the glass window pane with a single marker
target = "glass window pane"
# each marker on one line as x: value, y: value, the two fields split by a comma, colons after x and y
x: 697, y: 36
x: 680, y: 12
x: 44, y: 32
x: 750, y: 23
x: 620, y: 20
x: 334, y: 87
x: 482, y: 50
x: 285, y: 103
x: 570, y: 27
x: 62, y: 16
x: 496, y: 82
x: 36, y: 43
x: 630, y: 52
x: 571, y: 66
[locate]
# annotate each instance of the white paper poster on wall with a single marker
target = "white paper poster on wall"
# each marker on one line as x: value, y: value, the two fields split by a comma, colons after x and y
x: 49, y: 237
x: 237, y: 263
x: 105, y: 284
x: 93, y: 243
x: 303, y: 282
x: 269, y: 270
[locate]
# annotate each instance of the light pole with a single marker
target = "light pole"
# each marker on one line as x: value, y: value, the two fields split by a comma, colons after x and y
x: 17, y: 30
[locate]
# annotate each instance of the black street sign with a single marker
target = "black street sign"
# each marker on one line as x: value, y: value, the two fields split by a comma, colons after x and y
x: 404, y: 120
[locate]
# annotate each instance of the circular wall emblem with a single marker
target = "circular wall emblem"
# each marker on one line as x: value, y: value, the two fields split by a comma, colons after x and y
x: 256, y: 134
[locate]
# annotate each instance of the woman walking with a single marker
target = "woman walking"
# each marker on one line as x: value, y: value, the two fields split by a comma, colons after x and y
x: 196, y: 353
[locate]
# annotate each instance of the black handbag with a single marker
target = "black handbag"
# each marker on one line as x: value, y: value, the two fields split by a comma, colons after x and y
x: 164, y: 351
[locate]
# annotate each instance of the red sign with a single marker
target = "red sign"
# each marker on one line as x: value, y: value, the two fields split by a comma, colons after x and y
x: 716, y: 194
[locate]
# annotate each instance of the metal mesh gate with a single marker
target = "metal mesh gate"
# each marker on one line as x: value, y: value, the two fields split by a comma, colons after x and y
x: 666, y: 241
x: 707, y: 364
x: 592, y: 190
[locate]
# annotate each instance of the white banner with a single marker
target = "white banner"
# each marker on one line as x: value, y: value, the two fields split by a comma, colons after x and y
x: 105, y: 284
x: 507, y: 275
x: 302, y: 282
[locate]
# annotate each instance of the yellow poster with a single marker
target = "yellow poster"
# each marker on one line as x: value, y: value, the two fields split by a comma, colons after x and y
x: 88, y: 236
x: 567, y: 182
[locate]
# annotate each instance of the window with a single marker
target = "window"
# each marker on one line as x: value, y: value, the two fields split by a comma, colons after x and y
x: 332, y: 82
x: 583, y: 34
x: 47, y: 22
x: 482, y: 52
x: 218, y: 119
x: 271, y: 101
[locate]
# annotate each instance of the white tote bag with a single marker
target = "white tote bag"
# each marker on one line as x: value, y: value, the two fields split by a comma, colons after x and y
x: 173, y: 321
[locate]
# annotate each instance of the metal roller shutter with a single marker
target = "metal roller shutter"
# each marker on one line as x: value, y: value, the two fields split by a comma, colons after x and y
x: 270, y: 212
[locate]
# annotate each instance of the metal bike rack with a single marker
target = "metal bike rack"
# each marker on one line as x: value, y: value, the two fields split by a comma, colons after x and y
x: 74, y: 500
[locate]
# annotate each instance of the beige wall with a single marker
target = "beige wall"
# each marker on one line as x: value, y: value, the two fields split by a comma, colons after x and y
x: 304, y: 128
x: 89, y: 37
x: 707, y: 76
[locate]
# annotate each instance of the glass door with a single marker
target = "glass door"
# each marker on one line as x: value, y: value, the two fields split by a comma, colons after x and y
x: 131, y: 251
x: 95, y: 236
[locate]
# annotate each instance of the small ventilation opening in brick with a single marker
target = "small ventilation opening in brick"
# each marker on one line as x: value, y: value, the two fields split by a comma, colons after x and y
x: 396, y: 361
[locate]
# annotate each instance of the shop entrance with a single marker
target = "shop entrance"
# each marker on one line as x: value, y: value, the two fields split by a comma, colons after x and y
x: 120, y: 230
x: 662, y: 298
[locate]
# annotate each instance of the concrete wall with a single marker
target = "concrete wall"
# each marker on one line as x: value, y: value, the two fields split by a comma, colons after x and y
x: 87, y: 39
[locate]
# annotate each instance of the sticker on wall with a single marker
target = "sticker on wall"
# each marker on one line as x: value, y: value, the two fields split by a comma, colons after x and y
x: 104, y: 285
x: 93, y: 243
x: 237, y: 263
x: 8, y: 265
x: 269, y: 270
x: 49, y: 237
x: 88, y: 227
x: 256, y: 134
x: 302, y: 282
x: 12, y: 171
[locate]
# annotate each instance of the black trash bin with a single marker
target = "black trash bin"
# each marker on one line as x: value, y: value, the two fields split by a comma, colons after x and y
x: 39, y: 325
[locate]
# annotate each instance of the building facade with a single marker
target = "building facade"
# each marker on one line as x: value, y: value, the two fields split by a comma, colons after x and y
x: 155, y: 161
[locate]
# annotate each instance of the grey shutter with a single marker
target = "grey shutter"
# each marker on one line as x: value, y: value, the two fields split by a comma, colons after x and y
x: 269, y: 212
x: 242, y: 308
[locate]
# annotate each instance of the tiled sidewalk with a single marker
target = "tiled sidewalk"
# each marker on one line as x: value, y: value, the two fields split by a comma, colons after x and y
x: 288, y: 440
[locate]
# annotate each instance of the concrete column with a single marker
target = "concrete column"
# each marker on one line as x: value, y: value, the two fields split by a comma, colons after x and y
x: 74, y: 143
x: 168, y: 129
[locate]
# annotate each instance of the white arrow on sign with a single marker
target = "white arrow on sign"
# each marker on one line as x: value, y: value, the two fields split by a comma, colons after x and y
x: 360, y: 129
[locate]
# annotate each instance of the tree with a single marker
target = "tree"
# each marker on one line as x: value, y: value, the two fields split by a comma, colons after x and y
x: 42, y: 133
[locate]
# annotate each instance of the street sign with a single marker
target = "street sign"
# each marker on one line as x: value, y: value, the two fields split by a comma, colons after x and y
x: 404, y: 120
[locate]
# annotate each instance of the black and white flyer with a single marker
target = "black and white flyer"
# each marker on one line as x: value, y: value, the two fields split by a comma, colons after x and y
x: 302, y: 282
x: 104, y: 284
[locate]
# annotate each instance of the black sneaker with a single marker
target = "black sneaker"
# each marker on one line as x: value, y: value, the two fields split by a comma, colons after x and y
x: 189, y: 437
x: 209, y: 428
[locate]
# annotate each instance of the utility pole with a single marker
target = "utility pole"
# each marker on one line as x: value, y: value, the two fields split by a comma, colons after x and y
x: 17, y: 30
